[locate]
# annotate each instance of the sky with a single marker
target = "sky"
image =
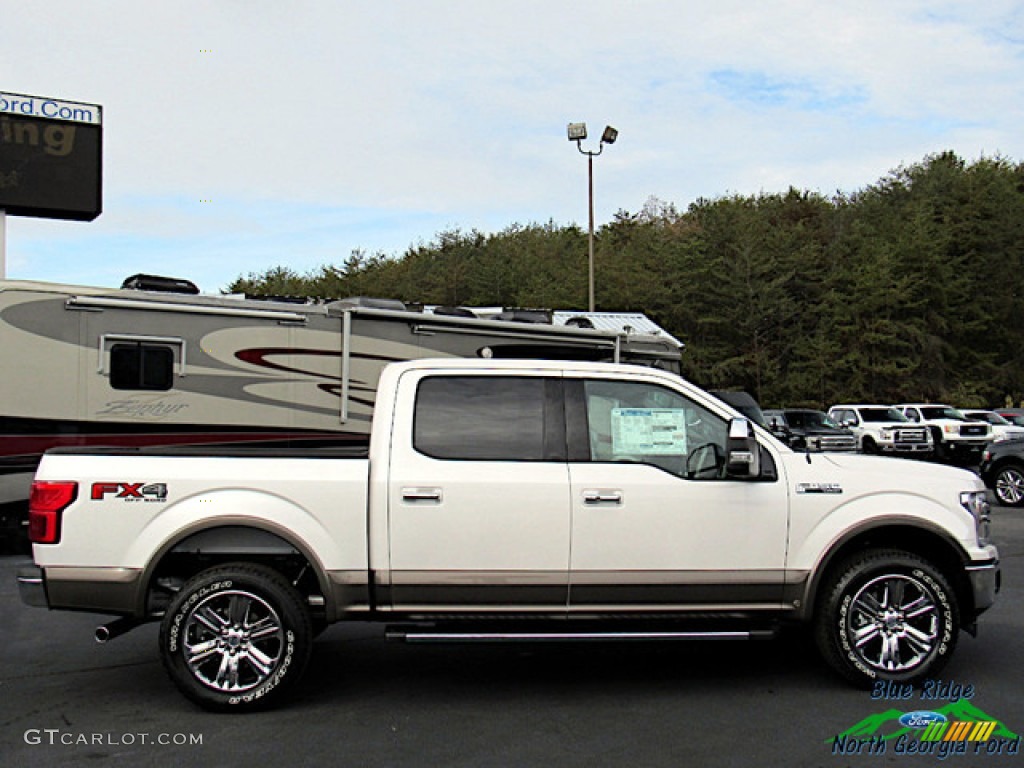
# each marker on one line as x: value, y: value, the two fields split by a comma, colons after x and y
x: 240, y: 136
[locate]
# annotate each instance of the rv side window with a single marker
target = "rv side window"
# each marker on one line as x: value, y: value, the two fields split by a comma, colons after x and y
x: 141, y: 366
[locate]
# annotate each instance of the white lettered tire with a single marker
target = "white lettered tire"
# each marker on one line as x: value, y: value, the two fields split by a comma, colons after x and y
x: 236, y: 637
x: 886, y: 614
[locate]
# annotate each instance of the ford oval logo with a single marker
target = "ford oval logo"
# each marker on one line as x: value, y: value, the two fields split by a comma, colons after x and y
x: 921, y: 719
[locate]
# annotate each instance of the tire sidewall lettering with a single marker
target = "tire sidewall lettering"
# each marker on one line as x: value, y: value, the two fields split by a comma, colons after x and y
x: 252, y: 582
x: 848, y: 589
x: 844, y: 640
x: 275, y: 679
x: 185, y: 610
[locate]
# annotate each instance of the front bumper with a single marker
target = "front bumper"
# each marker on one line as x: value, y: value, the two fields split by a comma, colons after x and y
x: 967, y: 444
x: 32, y: 586
x: 985, y: 580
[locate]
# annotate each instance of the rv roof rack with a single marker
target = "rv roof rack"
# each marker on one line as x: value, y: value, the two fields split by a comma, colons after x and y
x: 370, y: 302
x: 580, y: 322
x: 540, y: 316
x: 283, y: 299
x: 454, y: 312
x: 142, y: 282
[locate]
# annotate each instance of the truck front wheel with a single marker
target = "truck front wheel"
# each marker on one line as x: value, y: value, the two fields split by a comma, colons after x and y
x: 236, y: 637
x: 886, y: 614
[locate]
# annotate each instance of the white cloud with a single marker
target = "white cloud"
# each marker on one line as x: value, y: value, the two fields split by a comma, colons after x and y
x: 320, y: 126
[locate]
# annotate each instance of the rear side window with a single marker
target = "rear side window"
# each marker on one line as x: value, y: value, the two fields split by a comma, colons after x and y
x: 489, y: 418
x: 141, y: 366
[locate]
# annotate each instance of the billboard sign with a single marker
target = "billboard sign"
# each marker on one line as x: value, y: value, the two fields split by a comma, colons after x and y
x: 51, y: 154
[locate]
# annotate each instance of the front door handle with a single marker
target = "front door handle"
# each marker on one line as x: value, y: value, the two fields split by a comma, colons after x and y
x: 604, y: 498
x: 414, y: 495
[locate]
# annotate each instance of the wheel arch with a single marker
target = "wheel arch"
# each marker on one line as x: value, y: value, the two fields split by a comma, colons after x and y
x: 212, y: 543
x: 930, y: 543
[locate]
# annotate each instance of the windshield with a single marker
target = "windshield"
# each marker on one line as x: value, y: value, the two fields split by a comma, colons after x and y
x: 941, y: 412
x: 809, y: 420
x: 881, y: 414
x: 990, y: 417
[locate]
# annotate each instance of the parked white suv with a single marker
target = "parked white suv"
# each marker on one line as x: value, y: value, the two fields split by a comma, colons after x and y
x: 1002, y: 428
x: 883, y: 429
x: 955, y: 435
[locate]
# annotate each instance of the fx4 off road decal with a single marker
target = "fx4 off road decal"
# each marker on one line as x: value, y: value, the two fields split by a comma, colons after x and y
x: 137, y: 492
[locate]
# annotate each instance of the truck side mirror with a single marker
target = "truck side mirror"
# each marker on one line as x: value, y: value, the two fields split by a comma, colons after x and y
x: 742, y: 453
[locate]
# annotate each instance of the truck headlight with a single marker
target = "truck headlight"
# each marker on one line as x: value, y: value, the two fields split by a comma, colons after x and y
x: 976, y: 502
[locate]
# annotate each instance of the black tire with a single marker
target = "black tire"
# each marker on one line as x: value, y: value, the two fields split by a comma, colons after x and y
x: 236, y: 638
x: 869, y: 446
x: 1008, y: 485
x: 886, y: 614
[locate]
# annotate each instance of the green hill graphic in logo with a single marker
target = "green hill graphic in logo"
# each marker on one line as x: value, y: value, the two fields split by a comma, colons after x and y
x: 887, y: 726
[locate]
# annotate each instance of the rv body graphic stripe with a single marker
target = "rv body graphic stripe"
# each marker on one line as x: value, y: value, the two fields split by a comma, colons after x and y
x: 24, y: 438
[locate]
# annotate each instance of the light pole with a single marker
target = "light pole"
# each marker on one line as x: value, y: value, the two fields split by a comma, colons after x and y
x: 578, y: 132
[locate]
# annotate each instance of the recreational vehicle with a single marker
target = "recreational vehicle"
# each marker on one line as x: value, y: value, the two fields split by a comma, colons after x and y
x: 154, y: 363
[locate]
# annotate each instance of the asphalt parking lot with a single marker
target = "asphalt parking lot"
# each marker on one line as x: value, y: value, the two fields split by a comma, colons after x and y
x: 368, y: 702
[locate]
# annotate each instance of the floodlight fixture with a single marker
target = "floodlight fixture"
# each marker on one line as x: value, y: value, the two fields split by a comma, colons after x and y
x: 578, y: 132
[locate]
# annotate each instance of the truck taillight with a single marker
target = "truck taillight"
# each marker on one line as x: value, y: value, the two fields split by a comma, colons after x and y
x: 45, y: 504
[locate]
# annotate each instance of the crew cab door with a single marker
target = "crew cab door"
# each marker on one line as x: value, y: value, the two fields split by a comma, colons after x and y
x: 656, y: 523
x: 478, y: 494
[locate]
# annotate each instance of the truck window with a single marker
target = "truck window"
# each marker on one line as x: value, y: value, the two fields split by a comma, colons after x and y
x: 141, y: 366
x: 489, y: 418
x: 644, y: 423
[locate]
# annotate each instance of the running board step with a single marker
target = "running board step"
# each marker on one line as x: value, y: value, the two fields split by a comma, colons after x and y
x: 432, y: 636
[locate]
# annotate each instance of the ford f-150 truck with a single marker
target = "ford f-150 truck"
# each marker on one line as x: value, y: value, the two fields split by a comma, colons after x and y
x: 514, y: 500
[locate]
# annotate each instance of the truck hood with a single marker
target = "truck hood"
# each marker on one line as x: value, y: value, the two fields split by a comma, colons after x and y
x: 857, y: 474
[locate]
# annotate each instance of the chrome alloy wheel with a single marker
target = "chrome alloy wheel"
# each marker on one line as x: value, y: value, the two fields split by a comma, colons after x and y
x: 1010, y: 486
x: 893, y: 623
x: 233, y: 641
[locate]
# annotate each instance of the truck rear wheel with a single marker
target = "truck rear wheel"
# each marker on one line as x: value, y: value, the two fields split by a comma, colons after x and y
x: 886, y: 614
x: 236, y: 637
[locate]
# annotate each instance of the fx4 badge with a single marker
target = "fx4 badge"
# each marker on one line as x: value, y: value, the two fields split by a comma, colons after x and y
x: 130, y: 491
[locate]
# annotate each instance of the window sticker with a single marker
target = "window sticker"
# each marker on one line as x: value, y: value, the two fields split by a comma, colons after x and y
x: 648, y: 431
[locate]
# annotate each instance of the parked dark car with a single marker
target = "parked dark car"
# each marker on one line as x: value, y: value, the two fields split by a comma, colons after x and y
x: 807, y: 429
x: 1002, y: 469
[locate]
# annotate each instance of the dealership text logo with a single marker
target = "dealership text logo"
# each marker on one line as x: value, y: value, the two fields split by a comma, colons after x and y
x: 144, y: 492
x: 940, y: 730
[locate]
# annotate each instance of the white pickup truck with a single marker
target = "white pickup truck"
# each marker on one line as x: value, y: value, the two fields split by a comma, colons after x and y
x: 516, y: 500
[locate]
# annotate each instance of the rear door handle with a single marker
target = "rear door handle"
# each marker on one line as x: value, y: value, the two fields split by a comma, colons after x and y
x: 413, y: 495
x: 593, y: 498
